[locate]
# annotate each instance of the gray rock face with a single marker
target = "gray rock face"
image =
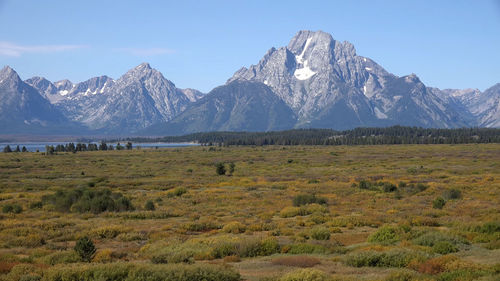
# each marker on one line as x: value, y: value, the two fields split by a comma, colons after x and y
x: 140, y: 98
x: 24, y: 110
x: 328, y: 85
x: 236, y: 106
x: 487, y: 107
x: 314, y: 81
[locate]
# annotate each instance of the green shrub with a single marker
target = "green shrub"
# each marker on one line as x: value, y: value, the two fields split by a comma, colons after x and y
x: 489, y: 227
x: 247, y: 247
x: 462, y: 275
x: 365, y: 184
x: 303, y: 199
x: 141, y: 272
x: 12, y: 208
x: 85, y: 248
x: 25, y: 272
x: 384, y: 235
x: 320, y: 233
x: 432, y: 238
x: 421, y: 187
x: 84, y: 200
x: 36, y: 205
x: 451, y: 194
x: 305, y: 275
x: 220, y: 169
x: 149, y: 206
x: 389, y: 187
x: 444, y: 247
x: 391, y: 258
x: 60, y: 257
x: 438, y: 203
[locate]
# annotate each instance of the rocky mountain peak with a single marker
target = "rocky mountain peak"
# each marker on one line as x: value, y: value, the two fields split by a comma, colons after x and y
x: 7, y: 73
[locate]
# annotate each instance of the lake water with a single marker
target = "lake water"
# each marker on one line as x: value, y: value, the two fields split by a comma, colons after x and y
x: 40, y: 146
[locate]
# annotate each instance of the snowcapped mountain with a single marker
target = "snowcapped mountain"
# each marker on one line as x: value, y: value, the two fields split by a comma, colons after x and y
x: 314, y: 81
x: 140, y: 98
x: 328, y: 85
x: 24, y: 110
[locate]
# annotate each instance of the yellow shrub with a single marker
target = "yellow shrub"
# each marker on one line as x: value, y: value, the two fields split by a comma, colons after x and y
x: 104, y: 256
x: 107, y: 232
x: 234, y: 227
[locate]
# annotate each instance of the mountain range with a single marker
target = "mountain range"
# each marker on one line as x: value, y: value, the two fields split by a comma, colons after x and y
x: 314, y: 82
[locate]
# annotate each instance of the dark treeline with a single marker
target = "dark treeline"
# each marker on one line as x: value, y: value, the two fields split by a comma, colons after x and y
x: 358, y: 136
x: 72, y: 147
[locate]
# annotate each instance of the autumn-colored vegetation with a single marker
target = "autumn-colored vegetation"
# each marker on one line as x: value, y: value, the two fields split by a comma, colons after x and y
x: 396, y: 212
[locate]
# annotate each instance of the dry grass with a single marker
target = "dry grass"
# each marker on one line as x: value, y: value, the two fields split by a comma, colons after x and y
x: 264, y: 183
x: 296, y: 261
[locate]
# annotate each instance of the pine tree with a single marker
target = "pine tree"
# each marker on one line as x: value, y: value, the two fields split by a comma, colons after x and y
x: 7, y: 149
x: 85, y: 248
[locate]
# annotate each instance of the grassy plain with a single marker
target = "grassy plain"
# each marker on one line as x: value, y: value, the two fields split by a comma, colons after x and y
x: 380, y: 221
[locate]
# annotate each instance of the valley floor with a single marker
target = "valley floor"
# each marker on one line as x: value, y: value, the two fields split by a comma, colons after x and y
x: 400, y: 212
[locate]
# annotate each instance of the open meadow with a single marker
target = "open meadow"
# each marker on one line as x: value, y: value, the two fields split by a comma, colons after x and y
x: 385, y: 212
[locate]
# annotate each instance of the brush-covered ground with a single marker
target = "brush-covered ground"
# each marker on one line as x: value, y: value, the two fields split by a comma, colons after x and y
x: 401, y: 212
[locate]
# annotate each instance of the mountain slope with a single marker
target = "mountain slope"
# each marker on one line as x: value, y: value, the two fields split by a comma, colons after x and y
x: 328, y: 85
x: 24, y: 110
x: 236, y: 106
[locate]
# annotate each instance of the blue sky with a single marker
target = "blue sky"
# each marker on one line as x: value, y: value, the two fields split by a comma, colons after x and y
x: 200, y: 44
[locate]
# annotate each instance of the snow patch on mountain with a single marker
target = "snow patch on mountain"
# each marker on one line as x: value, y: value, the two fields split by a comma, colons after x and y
x: 305, y: 72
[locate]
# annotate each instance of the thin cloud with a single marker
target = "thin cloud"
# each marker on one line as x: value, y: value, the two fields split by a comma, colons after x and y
x: 15, y: 50
x: 146, y: 51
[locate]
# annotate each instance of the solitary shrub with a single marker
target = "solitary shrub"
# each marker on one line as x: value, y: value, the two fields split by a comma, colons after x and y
x: 85, y: 248
x: 12, y: 208
x: 234, y: 227
x: 364, y: 184
x: 389, y: 187
x: 444, y: 247
x: 304, y: 199
x: 384, y: 235
x: 104, y: 256
x: 220, y: 169
x: 489, y: 227
x: 36, y: 205
x: 60, y: 257
x: 391, y: 258
x: 432, y: 238
x: 438, y: 203
x: 320, y: 233
x: 289, y: 212
x: 296, y: 261
x: 451, y: 194
x: 421, y: 187
x: 150, y: 206
x: 178, y: 191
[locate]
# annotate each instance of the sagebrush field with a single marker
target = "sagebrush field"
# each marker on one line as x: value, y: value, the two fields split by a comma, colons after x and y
x: 396, y: 212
